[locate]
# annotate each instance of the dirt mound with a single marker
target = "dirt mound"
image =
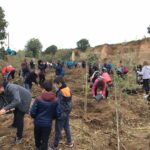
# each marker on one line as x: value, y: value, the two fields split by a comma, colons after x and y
x: 140, y: 49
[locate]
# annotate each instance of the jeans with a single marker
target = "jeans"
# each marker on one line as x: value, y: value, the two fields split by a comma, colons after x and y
x: 146, y: 86
x: 41, y: 135
x: 62, y: 124
x: 19, y: 122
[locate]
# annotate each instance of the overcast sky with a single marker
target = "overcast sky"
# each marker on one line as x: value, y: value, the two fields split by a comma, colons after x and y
x: 64, y: 22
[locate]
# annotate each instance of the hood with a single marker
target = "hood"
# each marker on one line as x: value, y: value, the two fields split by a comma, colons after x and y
x: 66, y: 92
x: 48, y: 96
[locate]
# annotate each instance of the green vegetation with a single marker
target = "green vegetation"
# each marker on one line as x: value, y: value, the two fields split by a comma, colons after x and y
x: 3, y: 24
x: 33, y: 48
x: 83, y: 44
x: 51, y: 50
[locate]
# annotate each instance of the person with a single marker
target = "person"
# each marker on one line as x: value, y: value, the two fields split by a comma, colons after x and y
x: 146, y: 77
x: 100, y: 88
x: 24, y: 69
x: 41, y: 77
x: 43, y: 112
x: 19, y: 99
x: 76, y: 64
x: 70, y: 64
x: 32, y: 64
x: 91, y: 71
x: 139, y: 78
x: 63, y: 112
x: 8, y: 71
x: 42, y: 66
x: 106, y: 77
x: 31, y: 78
x: 59, y: 70
x: 83, y: 64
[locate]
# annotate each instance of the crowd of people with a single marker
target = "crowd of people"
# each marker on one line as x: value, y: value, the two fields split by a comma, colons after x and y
x: 46, y: 108
x: 50, y: 106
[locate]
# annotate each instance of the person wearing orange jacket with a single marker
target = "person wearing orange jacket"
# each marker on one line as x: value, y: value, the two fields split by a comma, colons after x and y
x: 8, y: 71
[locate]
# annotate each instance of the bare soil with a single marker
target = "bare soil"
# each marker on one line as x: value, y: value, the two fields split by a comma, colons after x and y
x: 96, y: 128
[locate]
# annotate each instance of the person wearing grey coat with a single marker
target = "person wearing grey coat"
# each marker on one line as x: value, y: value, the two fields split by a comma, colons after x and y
x: 18, y: 98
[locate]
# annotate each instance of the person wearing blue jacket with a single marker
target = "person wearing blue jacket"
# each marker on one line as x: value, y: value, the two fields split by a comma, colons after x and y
x: 43, y: 112
x: 64, y: 107
x: 59, y: 70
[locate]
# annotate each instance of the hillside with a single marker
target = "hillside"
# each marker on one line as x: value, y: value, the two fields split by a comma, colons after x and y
x: 138, y: 49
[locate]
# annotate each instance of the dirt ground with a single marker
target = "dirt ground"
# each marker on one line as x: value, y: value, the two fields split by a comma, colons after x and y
x: 96, y: 129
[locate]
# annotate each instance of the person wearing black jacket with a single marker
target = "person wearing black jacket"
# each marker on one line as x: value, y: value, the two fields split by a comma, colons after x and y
x: 31, y: 78
x: 43, y: 112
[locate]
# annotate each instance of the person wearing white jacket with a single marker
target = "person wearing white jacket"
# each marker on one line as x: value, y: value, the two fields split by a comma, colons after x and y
x: 146, y: 77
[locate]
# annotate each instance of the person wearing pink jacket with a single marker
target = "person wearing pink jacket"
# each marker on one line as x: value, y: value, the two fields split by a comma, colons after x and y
x: 100, y: 88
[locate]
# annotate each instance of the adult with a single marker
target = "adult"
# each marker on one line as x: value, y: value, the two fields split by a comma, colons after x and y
x: 146, y: 77
x: 8, y: 72
x: 18, y: 98
x: 32, y: 64
x: 24, y: 69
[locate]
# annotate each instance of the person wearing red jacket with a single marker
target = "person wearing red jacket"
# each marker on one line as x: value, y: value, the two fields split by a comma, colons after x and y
x: 99, y: 89
x: 8, y: 71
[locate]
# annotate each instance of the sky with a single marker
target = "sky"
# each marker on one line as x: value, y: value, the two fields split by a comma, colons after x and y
x: 64, y: 22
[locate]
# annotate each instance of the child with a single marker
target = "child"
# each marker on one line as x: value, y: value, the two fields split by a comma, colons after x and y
x: 43, y: 111
x: 59, y: 70
x: 100, y: 88
x: 146, y: 77
x: 63, y: 112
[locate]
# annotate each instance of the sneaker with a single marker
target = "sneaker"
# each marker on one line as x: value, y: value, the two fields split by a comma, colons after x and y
x: 16, y: 141
x: 52, y: 147
x: 70, y: 145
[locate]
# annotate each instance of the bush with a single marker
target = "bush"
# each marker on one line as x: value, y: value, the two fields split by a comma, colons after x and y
x: 51, y: 50
x: 92, y: 58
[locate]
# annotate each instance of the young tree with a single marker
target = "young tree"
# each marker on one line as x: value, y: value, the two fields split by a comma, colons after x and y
x: 51, y: 50
x: 33, y: 47
x: 83, y: 44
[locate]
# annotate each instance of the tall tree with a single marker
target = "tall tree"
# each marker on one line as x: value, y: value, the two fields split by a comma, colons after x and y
x: 33, y: 47
x: 51, y: 50
x: 3, y: 24
x: 83, y: 44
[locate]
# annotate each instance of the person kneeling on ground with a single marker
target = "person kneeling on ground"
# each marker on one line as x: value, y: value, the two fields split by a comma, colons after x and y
x: 99, y: 89
x: 43, y: 111
x: 20, y: 99
x: 63, y: 112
